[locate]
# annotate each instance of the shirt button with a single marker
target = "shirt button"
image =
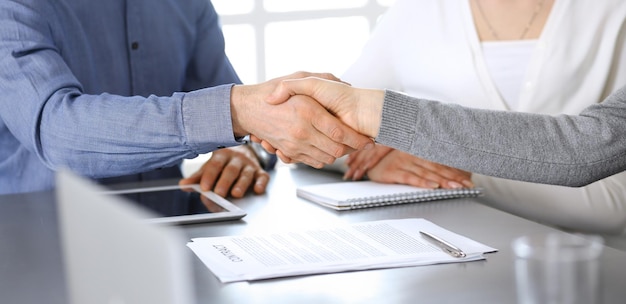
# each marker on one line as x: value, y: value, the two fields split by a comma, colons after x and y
x: 134, y: 45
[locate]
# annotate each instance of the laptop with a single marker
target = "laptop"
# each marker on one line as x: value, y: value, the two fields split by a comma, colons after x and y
x: 112, y: 255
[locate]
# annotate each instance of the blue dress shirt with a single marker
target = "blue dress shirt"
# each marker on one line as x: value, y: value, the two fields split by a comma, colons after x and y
x: 109, y: 88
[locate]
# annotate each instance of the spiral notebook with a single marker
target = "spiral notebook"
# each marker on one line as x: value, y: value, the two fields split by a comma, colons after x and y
x: 365, y: 194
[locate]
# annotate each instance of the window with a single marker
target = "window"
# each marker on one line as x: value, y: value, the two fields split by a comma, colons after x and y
x: 271, y: 38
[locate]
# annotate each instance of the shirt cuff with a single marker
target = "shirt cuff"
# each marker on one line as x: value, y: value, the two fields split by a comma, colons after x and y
x: 207, y: 119
x: 398, y: 121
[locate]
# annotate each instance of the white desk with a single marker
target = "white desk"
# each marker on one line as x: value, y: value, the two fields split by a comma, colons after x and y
x: 31, y: 272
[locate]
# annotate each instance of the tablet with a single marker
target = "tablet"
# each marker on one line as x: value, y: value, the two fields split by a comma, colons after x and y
x: 181, y: 204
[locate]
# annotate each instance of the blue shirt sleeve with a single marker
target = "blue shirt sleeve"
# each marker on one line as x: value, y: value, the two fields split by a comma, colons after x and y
x: 64, y: 123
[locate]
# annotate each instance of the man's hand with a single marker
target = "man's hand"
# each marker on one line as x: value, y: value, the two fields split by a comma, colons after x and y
x: 231, y: 170
x: 361, y: 109
x: 299, y: 129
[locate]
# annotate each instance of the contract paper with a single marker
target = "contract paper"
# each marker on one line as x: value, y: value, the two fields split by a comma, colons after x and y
x: 367, y: 245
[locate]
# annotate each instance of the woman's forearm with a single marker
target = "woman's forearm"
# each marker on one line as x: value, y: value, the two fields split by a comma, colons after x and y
x: 563, y: 150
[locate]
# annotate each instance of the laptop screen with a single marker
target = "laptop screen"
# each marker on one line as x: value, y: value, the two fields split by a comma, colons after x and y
x: 112, y: 255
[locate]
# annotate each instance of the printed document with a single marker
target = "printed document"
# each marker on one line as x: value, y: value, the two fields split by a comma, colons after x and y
x: 367, y: 245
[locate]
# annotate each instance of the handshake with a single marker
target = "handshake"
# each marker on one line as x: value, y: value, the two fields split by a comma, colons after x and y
x: 306, y: 117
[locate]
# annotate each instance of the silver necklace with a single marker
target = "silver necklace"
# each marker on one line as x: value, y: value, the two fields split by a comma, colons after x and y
x: 538, y: 8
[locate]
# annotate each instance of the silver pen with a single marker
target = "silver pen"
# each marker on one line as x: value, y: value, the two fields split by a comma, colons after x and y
x: 444, y: 245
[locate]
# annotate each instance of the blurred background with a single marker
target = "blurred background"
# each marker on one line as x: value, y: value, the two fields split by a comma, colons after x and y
x: 271, y: 38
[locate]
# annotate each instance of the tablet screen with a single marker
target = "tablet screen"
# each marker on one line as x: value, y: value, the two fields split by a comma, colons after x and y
x: 175, y: 202
x: 182, y: 204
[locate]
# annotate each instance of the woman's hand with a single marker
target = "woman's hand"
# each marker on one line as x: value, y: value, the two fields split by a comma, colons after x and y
x: 359, y: 162
x: 401, y: 168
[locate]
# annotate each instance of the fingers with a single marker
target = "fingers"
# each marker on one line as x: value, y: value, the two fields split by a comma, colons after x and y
x: 301, y: 130
x: 336, y: 139
x: 239, y: 182
x: 337, y: 131
x: 304, y: 86
x: 304, y: 83
x: 449, y: 177
x: 230, y: 172
x: 192, y: 179
x: 262, y: 179
x: 233, y: 172
x: 303, y: 74
x: 208, y: 173
x: 357, y: 173
x: 268, y: 147
x: 360, y: 161
x: 305, y: 159
x: 255, y: 139
x: 358, y: 108
x: 416, y: 175
x: 400, y: 167
x: 397, y: 175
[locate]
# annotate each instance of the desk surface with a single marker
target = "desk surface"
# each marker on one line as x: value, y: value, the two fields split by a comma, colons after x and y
x: 31, y: 269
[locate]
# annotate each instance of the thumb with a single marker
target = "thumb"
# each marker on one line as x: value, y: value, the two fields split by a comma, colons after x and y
x: 290, y: 87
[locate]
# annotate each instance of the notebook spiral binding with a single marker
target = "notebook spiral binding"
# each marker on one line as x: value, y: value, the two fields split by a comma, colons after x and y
x: 412, y: 197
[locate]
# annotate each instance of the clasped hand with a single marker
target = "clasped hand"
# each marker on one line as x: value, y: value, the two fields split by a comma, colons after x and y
x: 293, y: 124
x: 337, y: 118
x: 296, y: 128
x: 361, y: 110
x: 303, y: 117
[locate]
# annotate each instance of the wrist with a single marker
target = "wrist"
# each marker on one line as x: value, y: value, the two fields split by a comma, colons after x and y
x: 237, y: 107
x: 371, y: 112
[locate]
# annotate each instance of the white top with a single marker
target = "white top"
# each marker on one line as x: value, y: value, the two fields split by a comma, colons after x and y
x: 507, y: 62
x: 430, y: 49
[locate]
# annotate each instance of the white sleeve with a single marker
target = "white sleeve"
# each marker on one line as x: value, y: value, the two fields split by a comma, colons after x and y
x: 374, y: 66
x: 617, y: 77
x: 599, y: 207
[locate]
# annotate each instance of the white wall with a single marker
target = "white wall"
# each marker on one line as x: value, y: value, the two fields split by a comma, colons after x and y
x: 271, y: 38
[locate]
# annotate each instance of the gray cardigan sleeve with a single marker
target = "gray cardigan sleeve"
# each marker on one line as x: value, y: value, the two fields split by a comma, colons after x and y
x: 569, y: 150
